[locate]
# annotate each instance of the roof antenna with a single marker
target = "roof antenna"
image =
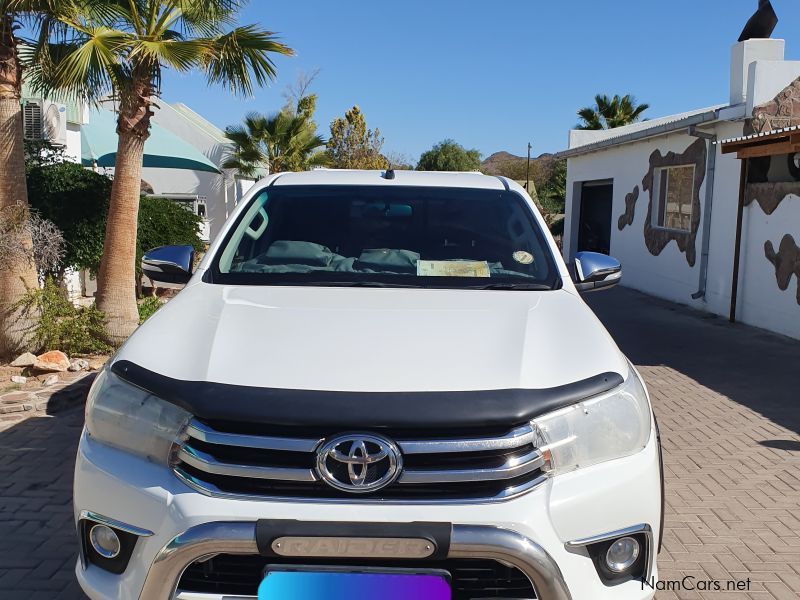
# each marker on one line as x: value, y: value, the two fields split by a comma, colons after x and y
x: 389, y: 173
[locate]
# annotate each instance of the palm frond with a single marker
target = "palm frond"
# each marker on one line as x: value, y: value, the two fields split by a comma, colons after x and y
x: 207, y: 17
x: 241, y: 58
x: 181, y: 55
x: 85, y: 69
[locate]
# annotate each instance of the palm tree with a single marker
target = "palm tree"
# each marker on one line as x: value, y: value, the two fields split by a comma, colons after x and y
x: 123, y: 53
x: 17, y: 269
x: 284, y: 141
x: 609, y: 113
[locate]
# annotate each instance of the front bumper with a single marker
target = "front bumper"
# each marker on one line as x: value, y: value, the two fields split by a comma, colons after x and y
x: 466, y: 541
x: 533, y: 532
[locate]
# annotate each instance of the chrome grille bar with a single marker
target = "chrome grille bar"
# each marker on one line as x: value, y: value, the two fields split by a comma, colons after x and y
x: 206, y: 462
x: 514, y: 467
x: 520, y: 436
x: 205, y: 433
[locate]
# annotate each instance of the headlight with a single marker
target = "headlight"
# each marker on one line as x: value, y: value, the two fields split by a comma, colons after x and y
x: 602, y: 428
x: 126, y: 417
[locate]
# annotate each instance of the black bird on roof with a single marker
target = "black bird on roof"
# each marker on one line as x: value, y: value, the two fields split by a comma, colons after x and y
x: 761, y: 24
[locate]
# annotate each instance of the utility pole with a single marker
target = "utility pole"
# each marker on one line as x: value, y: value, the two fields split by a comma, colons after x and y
x: 528, y: 171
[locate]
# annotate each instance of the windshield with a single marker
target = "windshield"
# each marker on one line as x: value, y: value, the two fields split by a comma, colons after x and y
x: 405, y: 236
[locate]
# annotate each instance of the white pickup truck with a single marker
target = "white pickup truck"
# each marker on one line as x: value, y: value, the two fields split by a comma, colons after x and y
x: 385, y: 383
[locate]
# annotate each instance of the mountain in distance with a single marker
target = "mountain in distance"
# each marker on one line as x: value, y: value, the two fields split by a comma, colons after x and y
x: 514, y: 167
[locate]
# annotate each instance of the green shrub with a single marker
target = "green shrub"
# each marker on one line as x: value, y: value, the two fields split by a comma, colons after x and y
x: 147, y: 307
x: 76, y: 200
x: 62, y: 325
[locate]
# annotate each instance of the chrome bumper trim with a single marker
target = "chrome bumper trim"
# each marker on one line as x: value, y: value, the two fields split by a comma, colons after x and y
x: 91, y: 516
x: 466, y: 541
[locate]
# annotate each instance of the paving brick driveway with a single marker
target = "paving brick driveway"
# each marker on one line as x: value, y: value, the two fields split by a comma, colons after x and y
x: 728, y: 402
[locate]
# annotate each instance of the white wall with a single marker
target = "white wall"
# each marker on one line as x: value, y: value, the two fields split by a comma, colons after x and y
x: 72, y: 279
x: 723, y: 226
x: 744, y: 54
x: 767, y: 79
x: 73, y: 149
x: 761, y: 303
x: 667, y: 275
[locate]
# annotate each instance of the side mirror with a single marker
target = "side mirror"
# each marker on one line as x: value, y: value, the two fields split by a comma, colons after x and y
x: 169, y: 264
x: 594, y: 271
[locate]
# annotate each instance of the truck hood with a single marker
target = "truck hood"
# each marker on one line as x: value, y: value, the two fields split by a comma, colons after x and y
x: 374, y: 340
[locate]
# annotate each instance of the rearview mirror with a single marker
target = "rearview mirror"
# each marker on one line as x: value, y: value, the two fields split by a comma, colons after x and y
x: 169, y: 264
x: 595, y: 271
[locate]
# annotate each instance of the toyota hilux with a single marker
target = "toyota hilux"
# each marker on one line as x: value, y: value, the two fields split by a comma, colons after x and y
x: 375, y: 384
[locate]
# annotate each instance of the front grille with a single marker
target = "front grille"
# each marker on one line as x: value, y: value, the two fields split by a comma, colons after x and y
x: 471, y: 579
x: 224, y: 458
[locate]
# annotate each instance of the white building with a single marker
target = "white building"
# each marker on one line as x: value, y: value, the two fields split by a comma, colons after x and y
x: 702, y: 208
x: 219, y: 193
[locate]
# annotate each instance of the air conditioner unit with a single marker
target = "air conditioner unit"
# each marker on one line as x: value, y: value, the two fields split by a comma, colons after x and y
x: 32, y: 119
x: 44, y: 120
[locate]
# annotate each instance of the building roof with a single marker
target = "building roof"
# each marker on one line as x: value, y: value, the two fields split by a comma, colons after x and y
x: 201, y: 122
x: 592, y: 141
x: 768, y: 143
x: 162, y: 149
x: 766, y: 135
x: 200, y: 133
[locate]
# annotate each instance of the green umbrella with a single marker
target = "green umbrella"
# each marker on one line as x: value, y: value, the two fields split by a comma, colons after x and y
x: 163, y: 149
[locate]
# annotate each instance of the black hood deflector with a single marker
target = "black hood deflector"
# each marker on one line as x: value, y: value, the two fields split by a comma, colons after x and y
x: 289, y: 407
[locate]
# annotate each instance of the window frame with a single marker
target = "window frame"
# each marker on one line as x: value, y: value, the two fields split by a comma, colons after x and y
x: 660, y: 212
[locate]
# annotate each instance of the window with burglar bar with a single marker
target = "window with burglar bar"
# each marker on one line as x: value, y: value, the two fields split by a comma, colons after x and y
x: 675, y: 194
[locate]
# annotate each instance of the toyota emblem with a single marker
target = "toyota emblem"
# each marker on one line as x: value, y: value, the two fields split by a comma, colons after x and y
x: 358, y: 463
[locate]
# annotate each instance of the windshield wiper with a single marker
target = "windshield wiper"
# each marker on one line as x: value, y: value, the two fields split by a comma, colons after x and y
x: 513, y: 286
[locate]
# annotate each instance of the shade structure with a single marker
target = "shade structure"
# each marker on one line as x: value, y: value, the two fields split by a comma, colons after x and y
x: 163, y: 148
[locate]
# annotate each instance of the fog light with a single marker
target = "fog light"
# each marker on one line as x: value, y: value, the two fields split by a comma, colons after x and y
x: 104, y: 541
x: 622, y: 554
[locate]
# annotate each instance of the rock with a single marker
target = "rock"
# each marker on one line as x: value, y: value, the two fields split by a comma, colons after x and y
x: 19, y: 379
x: 53, y: 361
x: 24, y: 360
x: 97, y: 363
x: 51, y: 380
x: 79, y: 364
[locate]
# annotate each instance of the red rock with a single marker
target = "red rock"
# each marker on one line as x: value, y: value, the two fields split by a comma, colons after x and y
x: 53, y: 361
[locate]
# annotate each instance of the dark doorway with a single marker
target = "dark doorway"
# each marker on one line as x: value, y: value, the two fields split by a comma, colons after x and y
x: 594, y: 227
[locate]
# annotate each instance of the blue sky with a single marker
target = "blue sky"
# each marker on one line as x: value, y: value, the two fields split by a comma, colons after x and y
x: 492, y: 75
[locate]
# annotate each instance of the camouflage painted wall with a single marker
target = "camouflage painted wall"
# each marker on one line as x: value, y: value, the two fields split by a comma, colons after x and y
x: 657, y: 238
